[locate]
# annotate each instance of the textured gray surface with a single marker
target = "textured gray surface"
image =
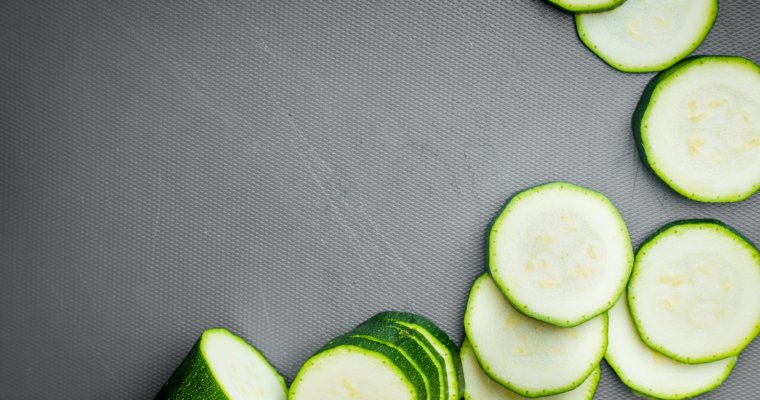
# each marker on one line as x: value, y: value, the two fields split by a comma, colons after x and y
x: 287, y: 169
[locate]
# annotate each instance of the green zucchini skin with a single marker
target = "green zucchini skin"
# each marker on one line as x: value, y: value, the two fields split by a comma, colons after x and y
x: 639, y: 126
x: 192, y: 380
x: 387, y: 332
x: 436, y: 332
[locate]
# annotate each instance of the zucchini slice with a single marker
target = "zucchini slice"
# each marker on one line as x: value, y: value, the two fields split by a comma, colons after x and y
x: 560, y: 253
x: 694, y: 294
x: 647, y: 35
x: 439, y: 341
x: 652, y: 374
x: 527, y: 356
x: 481, y: 387
x: 586, y: 5
x: 697, y: 127
x: 350, y: 368
x: 223, y: 366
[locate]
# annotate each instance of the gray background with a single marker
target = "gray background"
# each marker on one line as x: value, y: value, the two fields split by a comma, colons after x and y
x: 286, y: 169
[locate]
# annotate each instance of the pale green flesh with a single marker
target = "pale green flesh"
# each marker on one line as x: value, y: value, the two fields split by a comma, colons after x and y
x: 695, y: 292
x: 586, y: 5
x: 647, y: 35
x: 701, y: 129
x: 240, y: 370
x: 560, y: 253
x: 651, y: 373
x: 530, y: 357
x: 350, y: 373
x: 481, y: 387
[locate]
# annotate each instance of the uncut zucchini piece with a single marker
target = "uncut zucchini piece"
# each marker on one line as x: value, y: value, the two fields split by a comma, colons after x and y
x: 647, y: 35
x: 223, y: 366
x: 586, y: 5
x: 650, y: 373
x: 697, y: 127
x: 419, y: 356
x: 440, y: 342
x: 560, y: 253
x: 694, y: 294
x: 481, y: 387
x: 527, y: 356
x: 348, y: 368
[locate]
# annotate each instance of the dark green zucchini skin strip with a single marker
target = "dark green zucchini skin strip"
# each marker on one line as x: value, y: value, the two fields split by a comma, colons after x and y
x: 184, y: 382
x: 436, y: 332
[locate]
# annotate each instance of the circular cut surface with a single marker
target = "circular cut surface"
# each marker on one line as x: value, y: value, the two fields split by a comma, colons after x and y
x: 651, y: 373
x: 349, y: 372
x: 560, y: 253
x: 530, y: 357
x: 701, y: 129
x: 695, y: 292
x: 481, y: 387
x: 647, y: 35
x: 242, y: 372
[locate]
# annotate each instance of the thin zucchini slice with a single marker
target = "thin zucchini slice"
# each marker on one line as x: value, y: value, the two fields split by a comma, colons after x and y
x: 223, y: 366
x: 651, y: 373
x: 420, y: 357
x: 695, y: 291
x: 560, y: 253
x: 350, y: 368
x: 586, y: 5
x: 439, y: 341
x: 481, y: 387
x: 697, y: 127
x: 647, y: 35
x: 527, y: 356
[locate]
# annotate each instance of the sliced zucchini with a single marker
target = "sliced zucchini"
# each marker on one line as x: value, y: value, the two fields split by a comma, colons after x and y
x: 420, y: 357
x: 647, y: 35
x: 560, y: 253
x: 223, y: 366
x: 481, y: 387
x: 350, y: 368
x: 527, y: 356
x: 695, y: 291
x: 651, y: 373
x: 439, y: 341
x: 586, y: 5
x: 697, y: 126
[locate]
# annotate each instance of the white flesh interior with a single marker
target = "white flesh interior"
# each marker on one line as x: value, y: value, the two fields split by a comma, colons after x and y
x: 643, y: 33
x: 481, y: 387
x: 351, y: 373
x: 530, y: 356
x: 450, y: 370
x: 241, y: 371
x: 562, y: 252
x: 650, y: 372
x: 696, y: 292
x: 704, y: 129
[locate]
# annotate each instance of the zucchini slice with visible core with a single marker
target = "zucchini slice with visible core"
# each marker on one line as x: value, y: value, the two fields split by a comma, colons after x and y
x: 223, y: 366
x: 481, y: 387
x: 647, y: 35
x: 354, y: 368
x: 560, y: 253
x: 440, y: 342
x: 652, y: 374
x: 697, y: 127
x: 527, y: 356
x: 586, y: 5
x: 694, y: 294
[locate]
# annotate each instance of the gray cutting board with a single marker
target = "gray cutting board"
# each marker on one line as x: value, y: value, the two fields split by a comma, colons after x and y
x: 288, y: 168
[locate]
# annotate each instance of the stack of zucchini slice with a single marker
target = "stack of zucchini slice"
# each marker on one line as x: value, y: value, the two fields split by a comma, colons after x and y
x: 393, y: 355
